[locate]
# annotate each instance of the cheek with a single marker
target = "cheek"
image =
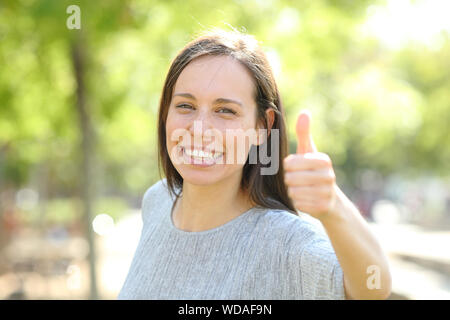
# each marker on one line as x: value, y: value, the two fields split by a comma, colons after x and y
x: 175, y: 128
x: 238, y: 141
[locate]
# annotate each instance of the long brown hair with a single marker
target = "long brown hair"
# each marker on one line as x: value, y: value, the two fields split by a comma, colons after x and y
x: 268, y: 191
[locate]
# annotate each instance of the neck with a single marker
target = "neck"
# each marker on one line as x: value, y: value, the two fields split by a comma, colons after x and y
x: 203, y: 207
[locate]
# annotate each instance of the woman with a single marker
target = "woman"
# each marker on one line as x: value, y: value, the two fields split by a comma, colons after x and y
x: 220, y: 228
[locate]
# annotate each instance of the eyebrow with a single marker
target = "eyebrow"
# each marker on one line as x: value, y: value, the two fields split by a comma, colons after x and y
x: 218, y: 100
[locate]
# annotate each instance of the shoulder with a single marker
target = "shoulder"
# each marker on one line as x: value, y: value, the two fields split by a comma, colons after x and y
x: 304, y: 235
x: 156, y: 197
x: 307, y: 254
x: 303, y: 239
x: 158, y: 188
x: 294, y: 229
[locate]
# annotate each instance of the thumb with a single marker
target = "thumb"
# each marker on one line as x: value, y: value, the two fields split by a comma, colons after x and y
x: 305, y: 142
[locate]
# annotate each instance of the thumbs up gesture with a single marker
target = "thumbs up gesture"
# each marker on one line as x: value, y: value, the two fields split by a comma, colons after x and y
x: 309, y: 174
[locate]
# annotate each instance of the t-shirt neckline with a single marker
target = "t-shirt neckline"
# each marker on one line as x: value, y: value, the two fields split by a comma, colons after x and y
x: 226, y: 225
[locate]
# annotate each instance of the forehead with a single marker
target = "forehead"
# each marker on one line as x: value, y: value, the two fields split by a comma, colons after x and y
x: 216, y: 76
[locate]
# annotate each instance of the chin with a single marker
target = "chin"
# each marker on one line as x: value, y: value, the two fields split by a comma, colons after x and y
x: 194, y: 177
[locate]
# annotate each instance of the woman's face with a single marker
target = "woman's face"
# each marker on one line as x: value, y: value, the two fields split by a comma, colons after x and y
x: 209, y: 118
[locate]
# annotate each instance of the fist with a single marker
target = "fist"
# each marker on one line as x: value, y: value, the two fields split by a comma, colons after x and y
x: 309, y: 174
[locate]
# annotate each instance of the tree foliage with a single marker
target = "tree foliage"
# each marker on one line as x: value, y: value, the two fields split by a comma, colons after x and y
x: 372, y: 107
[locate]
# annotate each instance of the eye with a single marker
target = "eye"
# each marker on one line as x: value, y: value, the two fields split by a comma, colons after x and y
x: 226, y: 110
x: 183, y: 107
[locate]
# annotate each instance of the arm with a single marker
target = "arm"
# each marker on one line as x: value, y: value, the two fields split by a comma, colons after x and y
x: 357, y: 249
x: 311, y: 184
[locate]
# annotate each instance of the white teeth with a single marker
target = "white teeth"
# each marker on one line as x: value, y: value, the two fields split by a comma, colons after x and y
x: 205, y: 154
x: 200, y: 154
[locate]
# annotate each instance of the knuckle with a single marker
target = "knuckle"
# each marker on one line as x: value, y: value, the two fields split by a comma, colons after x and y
x: 287, y: 177
x: 287, y: 160
x: 331, y: 176
x: 325, y: 159
x: 291, y: 163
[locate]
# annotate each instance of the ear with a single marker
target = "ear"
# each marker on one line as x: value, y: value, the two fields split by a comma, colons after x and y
x: 270, y: 117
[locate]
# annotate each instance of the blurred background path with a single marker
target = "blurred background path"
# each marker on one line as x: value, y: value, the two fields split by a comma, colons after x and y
x: 419, y: 260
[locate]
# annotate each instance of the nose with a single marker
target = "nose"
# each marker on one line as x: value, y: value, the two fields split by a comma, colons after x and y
x: 200, y: 127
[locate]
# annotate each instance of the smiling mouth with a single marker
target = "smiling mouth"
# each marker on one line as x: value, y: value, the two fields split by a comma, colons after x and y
x: 200, y: 157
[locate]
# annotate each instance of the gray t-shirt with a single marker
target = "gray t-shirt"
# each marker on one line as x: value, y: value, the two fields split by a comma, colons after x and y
x: 261, y: 254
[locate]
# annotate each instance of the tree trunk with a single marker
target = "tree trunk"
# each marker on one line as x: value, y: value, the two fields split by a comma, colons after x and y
x: 87, y: 141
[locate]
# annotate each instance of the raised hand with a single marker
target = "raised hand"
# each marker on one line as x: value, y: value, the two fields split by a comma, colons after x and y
x: 309, y: 174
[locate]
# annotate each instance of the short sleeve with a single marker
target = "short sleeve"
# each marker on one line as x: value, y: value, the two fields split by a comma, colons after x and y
x: 321, y: 273
x: 313, y: 269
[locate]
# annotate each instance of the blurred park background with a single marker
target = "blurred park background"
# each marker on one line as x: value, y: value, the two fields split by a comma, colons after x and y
x: 78, y: 111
